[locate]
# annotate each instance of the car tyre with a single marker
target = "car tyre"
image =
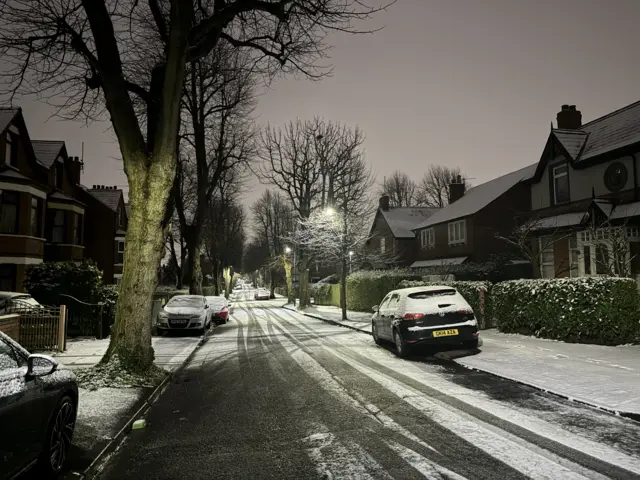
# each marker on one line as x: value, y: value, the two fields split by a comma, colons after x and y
x: 374, y: 333
x: 402, y: 349
x: 58, y: 438
x: 200, y: 331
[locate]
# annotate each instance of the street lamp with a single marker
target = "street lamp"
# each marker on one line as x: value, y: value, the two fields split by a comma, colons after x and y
x: 350, y: 257
x: 287, y: 250
x: 329, y: 211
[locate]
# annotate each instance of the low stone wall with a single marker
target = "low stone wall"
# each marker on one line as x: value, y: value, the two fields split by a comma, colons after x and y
x: 10, y: 325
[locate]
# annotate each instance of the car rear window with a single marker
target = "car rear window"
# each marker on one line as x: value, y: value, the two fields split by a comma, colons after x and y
x: 432, y: 293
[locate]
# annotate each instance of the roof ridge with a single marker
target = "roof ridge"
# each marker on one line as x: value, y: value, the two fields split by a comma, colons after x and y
x: 610, y: 114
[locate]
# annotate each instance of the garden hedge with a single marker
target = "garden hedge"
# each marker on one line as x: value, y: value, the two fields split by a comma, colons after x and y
x: 586, y: 310
x: 470, y: 291
x: 46, y: 281
x: 367, y: 288
x: 326, y: 294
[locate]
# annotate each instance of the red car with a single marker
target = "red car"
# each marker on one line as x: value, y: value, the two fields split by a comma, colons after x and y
x: 219, y: 309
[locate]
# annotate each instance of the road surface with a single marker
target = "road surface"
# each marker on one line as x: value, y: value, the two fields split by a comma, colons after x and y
x: 274, y: 394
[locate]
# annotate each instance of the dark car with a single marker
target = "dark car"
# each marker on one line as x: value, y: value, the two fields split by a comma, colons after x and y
x: 38, y: 407
x: 410, y: 317
x: 15, y: 302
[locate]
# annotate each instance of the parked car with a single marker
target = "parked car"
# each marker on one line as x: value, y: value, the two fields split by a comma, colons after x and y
x: 16, y: 302
x: 219, y: 309
x: 262, y: 294
x: 185, y: 312
x: 38, y: 406
x: 410, y: 317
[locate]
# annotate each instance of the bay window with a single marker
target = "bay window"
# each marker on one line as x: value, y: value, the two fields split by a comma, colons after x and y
x: 36, y: 217
x: 58, y: 227
x: 9, y: 208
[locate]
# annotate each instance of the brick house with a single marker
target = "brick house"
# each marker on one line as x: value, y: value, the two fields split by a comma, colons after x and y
x: 107, y: 221
x: 466, y: 230
x: 585, y: 193
x: 391, y: 233
x: 40, y: 216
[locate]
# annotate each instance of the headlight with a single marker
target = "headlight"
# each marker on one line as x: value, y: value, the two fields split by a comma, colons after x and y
x: 163, y: 315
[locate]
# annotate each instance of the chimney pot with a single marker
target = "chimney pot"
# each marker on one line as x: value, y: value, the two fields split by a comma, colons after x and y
x: 569, y: 118
x: 456, y: 189
x: 383, y: 203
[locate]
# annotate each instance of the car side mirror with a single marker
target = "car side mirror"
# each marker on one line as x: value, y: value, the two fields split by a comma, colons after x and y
x: 206, y: 306
x: 375, y: 308
x: 39, y: 365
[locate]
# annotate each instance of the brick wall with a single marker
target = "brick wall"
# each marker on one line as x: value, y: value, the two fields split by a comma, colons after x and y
x: 10, y: 325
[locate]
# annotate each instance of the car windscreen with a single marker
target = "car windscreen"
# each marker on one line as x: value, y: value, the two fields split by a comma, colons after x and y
x: 432, y: 293
x: 192, y: 302
x: 217, y: 302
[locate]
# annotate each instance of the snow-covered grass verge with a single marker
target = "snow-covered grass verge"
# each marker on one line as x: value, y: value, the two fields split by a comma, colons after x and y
x: 101, y: 414
x: 112, y: 374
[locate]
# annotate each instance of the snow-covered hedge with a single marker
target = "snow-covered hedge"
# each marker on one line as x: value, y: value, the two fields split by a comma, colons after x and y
x: 326, y: 294
x: 585, y: 310
x: 470, y: 291
x: 367, y: 288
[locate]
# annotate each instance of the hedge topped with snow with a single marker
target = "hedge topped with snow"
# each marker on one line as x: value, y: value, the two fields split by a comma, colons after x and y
x: 469, y: 290
x: 586, y: 309
x: 367, y: 288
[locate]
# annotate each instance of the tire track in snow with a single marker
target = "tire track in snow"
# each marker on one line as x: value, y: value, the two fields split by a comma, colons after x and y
x: 317, y: 367
x: 561, y: 454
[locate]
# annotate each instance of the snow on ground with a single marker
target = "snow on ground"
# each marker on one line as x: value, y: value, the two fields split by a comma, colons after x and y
x: 607, y: 377
x: 357, y: 320
x: 101, y: 412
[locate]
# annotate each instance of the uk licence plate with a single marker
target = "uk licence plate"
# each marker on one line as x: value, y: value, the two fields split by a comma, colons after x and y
x: 446, y: 333
x: 179, y: 322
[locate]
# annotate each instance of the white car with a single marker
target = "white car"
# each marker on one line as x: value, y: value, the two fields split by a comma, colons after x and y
x: 262, y: 294
x: 415, y: 316
x: 185, y: 312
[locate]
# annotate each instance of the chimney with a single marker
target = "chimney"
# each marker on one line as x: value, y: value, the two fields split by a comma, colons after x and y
x: 456, y: 189
x: 383, y: 203
x: 569, y: 118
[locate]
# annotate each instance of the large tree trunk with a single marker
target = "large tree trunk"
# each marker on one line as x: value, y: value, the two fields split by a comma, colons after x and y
x: 272, y: 286
x: 343, y: 286
x: 195, y: 285
x: 305, y: 293
x: 216, y: 277
x: 288, y: 273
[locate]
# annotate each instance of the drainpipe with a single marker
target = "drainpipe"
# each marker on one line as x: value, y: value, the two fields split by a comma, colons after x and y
x: 635, y: 177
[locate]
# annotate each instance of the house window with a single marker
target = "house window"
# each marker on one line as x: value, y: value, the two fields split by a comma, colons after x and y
x: 77, y: 229
x: 560, y: 184
x: 547, y: 259
x: 121, y: 217
x: 57, y: 229
x: 9, y: 207
x: 11, y: 150
x: 120, y: 252
x: 457, y: 232
x: 59, y: 174
x: 383, y: 245
x: 574, y: 257
x: 7, y: 277
x: 36, y: 217
x: 606, y: 251
x: 428, y: 238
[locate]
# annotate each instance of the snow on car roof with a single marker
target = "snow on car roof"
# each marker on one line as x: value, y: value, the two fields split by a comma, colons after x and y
x: 426, y: 288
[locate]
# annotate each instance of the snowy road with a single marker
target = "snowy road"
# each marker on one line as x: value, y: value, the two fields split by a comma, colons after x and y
x: 274, y: 394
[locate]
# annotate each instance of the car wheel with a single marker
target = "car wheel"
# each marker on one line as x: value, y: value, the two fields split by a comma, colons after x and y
x: 470, y: 344
x: 200, y: 331
x: 402, y: 349
x: 58, y: 438
x: 374, y: 333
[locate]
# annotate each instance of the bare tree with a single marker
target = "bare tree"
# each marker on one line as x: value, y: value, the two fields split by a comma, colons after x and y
x: 610, y: 248
x: 218, y: 136
x: 433, y: 190
x: 130, y: 57
x: 272, y: 221
x: 401, y: 189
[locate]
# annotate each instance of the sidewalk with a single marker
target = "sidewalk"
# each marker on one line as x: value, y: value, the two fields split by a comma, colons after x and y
x: 102, y: 413
x: 604, y: 377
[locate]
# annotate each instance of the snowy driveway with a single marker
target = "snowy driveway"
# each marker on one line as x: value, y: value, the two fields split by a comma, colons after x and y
x: 274, y: 394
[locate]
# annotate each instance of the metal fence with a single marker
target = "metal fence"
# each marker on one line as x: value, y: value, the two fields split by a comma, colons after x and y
x: 87, y: 319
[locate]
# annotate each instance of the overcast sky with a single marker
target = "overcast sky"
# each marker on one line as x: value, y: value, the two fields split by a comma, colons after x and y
x: 469, y: 83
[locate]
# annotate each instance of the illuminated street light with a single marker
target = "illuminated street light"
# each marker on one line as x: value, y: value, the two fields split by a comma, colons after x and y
x: 329, y: 211
x: 287, y: 250
x: 351, y: 253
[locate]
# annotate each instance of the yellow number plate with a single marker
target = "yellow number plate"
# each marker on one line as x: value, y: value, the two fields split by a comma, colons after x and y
x: 446, y: 333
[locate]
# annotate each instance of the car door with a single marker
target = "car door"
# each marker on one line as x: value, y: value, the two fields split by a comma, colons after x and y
x: 20, y: 411
x: 383, y: 320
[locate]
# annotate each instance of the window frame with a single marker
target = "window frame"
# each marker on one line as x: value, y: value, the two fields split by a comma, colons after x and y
x: 12, y: 269
x: 77, y: 228
x: 554, y: 177
x: 457, y: 232
x: 383, y: 245
x: 16, y: 205
x: 549, y: 249
x: 120, y: 253
x: 36, y: 207
x: 55, y: 226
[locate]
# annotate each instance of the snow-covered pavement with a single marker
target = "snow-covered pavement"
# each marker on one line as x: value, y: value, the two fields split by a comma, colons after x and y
x: 275, y: 394
x: 605, y: 377
x: 608, y: 377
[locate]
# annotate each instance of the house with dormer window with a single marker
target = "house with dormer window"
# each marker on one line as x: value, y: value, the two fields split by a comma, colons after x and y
x: 585, y: 196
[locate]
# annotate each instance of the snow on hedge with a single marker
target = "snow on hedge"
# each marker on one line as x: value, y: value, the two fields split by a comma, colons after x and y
x: 601, y: 310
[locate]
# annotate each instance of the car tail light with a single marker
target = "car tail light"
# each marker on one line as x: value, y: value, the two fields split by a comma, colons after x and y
x: 412, y: 316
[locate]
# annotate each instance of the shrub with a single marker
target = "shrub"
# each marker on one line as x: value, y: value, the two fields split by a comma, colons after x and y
x: 46, y: 281
x: 587, y: 309
x: 367, y: 288
x: 326, y: 294
x: 471, y: 293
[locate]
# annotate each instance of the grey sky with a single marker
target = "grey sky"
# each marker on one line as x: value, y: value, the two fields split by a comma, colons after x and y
x: 473, y: 83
